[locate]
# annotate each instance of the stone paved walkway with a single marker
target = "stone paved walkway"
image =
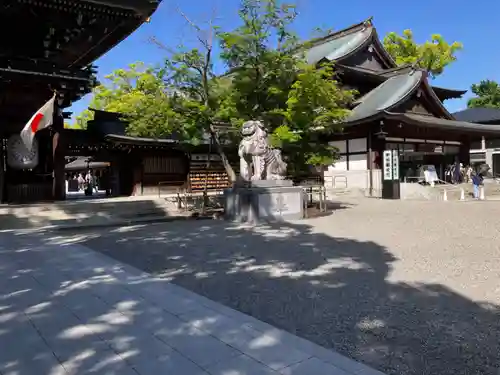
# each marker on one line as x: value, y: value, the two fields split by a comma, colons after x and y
x: 65, y: 309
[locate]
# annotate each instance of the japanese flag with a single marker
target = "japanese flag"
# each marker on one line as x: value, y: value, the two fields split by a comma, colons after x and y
x: 40, y: 120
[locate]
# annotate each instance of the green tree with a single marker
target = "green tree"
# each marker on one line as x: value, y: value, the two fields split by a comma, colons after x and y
x: 271, y: 82
x: 140, y: 94
x: 433, y: 55
x: 195, y: 89
x: 487, y: 95
x: 267, y: 80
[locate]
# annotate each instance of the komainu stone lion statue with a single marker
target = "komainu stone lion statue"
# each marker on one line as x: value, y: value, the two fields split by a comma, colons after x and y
x: 258, y: 160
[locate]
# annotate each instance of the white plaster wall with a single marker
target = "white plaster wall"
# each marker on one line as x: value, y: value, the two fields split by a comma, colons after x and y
x: 340, y: 145
x: 489, y: 157
x: 340, y: 165
x: 358, y: 162
x: 359, y: 179
x: 357, y: 145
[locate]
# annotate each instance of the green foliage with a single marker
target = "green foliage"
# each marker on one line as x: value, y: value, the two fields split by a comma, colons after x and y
x: 296, y: 101
x: 196, y: 93
x: 487, y: 95
x: 84, y: 117
x: 67, y: 125
x: 268, y: 80
x: 432, y: 56
x: 190, y: 79
x: 140, y: 94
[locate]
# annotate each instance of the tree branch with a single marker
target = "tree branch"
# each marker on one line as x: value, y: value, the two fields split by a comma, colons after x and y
x: 160, y: 45
x: 203, y: 41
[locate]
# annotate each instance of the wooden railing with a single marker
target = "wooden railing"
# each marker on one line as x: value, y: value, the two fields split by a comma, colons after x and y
x: 333, y: 181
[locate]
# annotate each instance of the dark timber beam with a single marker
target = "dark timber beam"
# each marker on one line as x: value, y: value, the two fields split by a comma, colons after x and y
x: 143, y: 7
x: 2, y: 171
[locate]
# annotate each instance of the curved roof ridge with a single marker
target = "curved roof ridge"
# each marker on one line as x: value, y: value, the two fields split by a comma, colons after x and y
x: 396, y: 69
x: 383, y: 52
x: 434, y: 97
x: 387, y: 95
x: 339, y: 47
x: 337, y: 34
x: 378, y: 75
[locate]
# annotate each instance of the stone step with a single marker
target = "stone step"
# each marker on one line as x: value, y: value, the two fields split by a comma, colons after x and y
x: 331, y: 193
x: 84, y: 212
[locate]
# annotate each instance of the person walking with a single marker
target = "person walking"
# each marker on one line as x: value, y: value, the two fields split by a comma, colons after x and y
x: 477, y: 181
x: 468, y: 174
x: 95, y: 183
x: 81, y: 182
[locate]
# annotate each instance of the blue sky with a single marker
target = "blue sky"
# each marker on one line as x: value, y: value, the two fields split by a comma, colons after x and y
x: 474, y: 23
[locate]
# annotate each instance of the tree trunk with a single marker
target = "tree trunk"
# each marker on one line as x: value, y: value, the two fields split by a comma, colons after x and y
x: 205, y: 188
x: 225, y: 162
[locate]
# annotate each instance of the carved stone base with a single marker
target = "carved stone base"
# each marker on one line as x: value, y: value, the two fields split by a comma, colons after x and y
x: 270, y: 183
x: 263, y: 184
x: 264, y: 204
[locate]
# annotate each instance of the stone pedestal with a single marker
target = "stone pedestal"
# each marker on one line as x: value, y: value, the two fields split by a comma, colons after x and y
x: 259, y: 203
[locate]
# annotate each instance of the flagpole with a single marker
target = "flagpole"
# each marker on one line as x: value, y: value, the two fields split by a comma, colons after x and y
x: 58, y: 181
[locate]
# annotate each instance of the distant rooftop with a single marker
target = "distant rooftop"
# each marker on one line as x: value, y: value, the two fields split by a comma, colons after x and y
x: 343, y: 43
x: 479, y: 115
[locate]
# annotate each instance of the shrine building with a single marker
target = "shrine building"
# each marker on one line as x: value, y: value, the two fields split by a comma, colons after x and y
x: 57, y: 41
x: 54, y: 47
x: 397, y: 109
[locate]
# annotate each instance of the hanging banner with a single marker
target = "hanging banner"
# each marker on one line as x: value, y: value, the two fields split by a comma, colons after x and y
x: 395, y: 165
x: 387, y: 164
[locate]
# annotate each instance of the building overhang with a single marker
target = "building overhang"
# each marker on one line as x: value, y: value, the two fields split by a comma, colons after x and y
x: 139, y: 141
x: 459, y: 127
x: 143, y: 7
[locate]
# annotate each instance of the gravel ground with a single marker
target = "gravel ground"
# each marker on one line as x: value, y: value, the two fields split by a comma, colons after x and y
x: 406, y: 287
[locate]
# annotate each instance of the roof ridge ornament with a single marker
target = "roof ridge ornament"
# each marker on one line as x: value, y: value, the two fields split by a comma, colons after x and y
x: 368, y: 23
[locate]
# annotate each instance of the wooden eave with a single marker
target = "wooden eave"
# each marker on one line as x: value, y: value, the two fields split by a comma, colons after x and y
x: 71, y: 32
x: 382, y: 52
x: 139, y: 141
x: 440, y: 109
x: 142, y: 7
x: 84, y: 139
x: 459, y: 128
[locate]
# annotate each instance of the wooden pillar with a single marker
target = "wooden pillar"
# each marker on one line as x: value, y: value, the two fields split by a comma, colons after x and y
x: 115, y: 178
x: 369, y: 141
x: 2, y: 171
x: 58, y: 153
x: 138, y: 187
x: 464, y: 151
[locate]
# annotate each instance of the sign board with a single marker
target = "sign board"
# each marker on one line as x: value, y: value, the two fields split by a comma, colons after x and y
x: 204, y: 157
x: 430, y: 174
x: 395, y: 165
x: 387, y: 164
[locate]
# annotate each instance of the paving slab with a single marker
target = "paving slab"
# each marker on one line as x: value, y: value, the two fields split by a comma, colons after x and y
x: 65, y: 309
x: 406, y: 287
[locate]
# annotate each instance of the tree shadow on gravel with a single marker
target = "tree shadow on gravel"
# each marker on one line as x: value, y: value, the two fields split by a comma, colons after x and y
x: 332, y: 291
